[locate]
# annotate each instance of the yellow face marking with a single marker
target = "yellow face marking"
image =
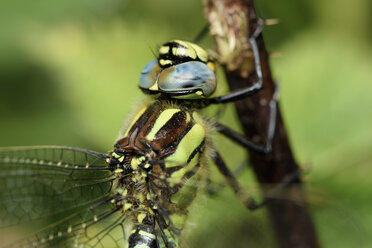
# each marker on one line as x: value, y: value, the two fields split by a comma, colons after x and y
x: 164, y: 62
x: 163, y: 118
x: 141, y: 217
x: 164, y: 50
x: 154, y: 87
x: 184, y: 52
x: 200, y: 52
x: 183, y: 43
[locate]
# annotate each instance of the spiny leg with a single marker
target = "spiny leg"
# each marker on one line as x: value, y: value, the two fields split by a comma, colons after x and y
x: 248, y: 201
x: 243, y: 141
x: 242, y: 93
x: 213, y: 188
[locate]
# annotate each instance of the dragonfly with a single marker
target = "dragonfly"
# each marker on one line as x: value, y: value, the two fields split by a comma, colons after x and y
x: 139, y: 194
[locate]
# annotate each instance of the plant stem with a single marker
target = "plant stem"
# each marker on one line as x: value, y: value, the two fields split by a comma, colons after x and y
x: 232, y: 22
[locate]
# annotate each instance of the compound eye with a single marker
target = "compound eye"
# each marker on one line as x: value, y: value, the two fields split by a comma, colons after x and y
x: 192, y: 78
x: 149, y: 74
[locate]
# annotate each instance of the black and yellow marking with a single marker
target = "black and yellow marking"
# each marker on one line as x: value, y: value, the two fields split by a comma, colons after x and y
x: 178, y: 51
x: 143, y: 237
x: 148, y: 180
x: 166, y: 146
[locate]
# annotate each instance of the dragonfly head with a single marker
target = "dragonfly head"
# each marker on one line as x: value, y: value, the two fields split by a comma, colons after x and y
x: 183, y: 70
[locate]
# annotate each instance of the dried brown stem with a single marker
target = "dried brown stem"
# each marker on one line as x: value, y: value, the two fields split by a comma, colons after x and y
x: 232, y: 22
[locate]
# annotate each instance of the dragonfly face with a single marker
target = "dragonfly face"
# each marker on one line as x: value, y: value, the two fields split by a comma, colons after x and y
x: 182, y: 70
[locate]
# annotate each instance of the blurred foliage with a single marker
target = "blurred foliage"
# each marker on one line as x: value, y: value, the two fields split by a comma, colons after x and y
x: 69, y: 73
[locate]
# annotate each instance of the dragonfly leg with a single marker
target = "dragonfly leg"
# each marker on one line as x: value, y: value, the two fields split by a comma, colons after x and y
x: 256, y: 86
x: 248, y: 201
x: 243, y: 141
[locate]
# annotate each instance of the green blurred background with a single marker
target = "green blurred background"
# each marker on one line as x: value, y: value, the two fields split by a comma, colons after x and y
x: 69, y: 72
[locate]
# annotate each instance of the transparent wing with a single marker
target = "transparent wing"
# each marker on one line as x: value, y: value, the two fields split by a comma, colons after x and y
x: 56, y: 194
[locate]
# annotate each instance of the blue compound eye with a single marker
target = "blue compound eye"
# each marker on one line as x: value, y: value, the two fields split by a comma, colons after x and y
x: 182, y: 70
x: 149, y: 75
x: 192, y: 77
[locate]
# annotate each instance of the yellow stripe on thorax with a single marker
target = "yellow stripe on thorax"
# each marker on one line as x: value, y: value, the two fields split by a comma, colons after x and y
x: 177, y: 176
x: 136, y: 117
x: 163, y: 118
x: 187, y: 145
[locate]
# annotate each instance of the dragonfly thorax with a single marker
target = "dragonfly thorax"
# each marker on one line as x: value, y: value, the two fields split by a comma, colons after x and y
x: 157, y: 159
